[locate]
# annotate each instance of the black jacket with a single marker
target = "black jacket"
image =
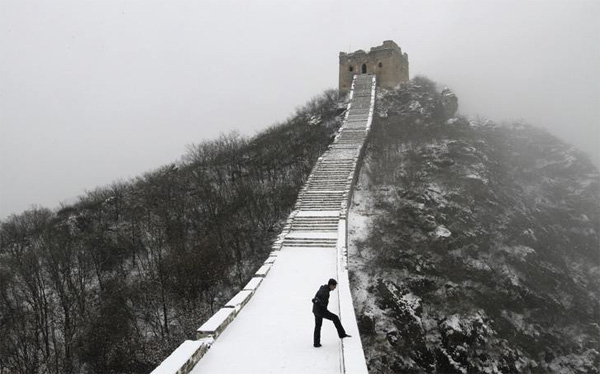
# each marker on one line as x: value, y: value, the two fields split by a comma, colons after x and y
x: 321, y: 300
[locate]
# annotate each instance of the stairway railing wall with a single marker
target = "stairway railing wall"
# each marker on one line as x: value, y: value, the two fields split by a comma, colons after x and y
x: 353, y: 358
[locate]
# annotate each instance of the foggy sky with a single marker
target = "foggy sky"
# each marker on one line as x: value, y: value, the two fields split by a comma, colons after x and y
x: 96, y: 91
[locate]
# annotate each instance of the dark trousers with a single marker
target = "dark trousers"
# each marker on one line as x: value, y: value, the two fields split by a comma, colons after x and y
x: 319, y: 322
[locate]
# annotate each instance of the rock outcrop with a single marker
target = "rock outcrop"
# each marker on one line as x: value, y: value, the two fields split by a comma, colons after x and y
x: 480, y: 251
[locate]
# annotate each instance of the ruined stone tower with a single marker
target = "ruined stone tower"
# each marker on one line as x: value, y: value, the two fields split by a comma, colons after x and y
x: 386, y: 61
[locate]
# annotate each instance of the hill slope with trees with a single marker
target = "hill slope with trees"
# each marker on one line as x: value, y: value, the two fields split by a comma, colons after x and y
x: 116, y: 281
x: 474, y: 247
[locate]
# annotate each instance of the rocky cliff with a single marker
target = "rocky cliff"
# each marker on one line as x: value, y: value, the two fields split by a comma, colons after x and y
x: 474, y: 246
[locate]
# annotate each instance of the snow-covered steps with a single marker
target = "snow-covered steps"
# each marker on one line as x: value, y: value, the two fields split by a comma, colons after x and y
x: 358, y: 117
x: 305, y: 242
x: 342, y: 185
x: 311, y: 239
x: 333, y: 203
x: 361, y: 104
x: 363, y: 111
x: 330, y: 213
x: 321, y: 206
x: 320, y: 195
x: 327, y: 177
x: 334, y: 166
x: 315, y: 224
x: 257, y: 330
x: 330, y: 171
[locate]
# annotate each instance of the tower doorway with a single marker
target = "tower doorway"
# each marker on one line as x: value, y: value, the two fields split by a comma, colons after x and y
x: 364, y: 68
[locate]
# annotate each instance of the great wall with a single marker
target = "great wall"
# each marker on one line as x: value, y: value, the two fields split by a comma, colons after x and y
x: 267, y: 327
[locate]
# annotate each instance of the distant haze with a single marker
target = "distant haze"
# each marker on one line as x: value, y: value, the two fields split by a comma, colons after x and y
x: 96, y: 91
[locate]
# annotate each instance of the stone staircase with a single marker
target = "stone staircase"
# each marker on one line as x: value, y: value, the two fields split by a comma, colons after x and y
x: 324, y: 196
x: 316, y: 230
x: 315, y: 223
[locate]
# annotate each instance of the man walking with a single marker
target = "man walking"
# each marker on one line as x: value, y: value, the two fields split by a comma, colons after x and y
x: 320, y: 302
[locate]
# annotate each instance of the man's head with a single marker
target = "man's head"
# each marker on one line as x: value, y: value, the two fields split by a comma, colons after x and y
x: 332, y: 284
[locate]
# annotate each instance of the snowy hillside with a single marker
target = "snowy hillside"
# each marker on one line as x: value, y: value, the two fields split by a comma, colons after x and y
x: 475, y: 246
x: 115, y: 282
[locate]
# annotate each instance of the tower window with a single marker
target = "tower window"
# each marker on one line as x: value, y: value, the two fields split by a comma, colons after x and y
x: 351, y: 68
x: 364, y: 68
x: 380, y: 65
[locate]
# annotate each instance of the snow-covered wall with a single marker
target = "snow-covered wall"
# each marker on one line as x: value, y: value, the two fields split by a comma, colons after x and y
x: 318, y: 223
x: 353, y: 358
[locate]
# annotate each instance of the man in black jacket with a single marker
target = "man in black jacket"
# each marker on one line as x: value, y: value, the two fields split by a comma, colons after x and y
x: 320, y: 311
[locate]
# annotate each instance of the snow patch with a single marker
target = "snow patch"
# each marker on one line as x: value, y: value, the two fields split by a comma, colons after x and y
x: 415, y: 106
x: 314, y: 120
x: 473, y: 176
x: 441, y: 232
x: 518, y: 251
x: 453, y: 322
x: 408, y: 301
x: 478, y: 264
x: 519, y: 321
x: 481, y: 122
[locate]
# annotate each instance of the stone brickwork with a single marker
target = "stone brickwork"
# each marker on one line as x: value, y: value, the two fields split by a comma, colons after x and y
x: 386, y: 61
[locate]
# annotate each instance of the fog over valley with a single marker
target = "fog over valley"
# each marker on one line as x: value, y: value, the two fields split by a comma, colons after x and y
x: 93, y: 92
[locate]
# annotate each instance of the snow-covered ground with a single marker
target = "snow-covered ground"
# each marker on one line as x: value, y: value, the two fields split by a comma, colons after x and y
x: 274, y: 332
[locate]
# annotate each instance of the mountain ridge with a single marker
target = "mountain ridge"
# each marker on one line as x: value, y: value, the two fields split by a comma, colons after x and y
x: 475, y: 246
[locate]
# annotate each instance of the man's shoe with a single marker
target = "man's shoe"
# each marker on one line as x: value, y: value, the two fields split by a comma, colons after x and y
x: 345, y: 336
x: 316, y: 345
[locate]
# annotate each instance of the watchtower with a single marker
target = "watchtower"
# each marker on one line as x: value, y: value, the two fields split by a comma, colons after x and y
x: 386, y: 61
